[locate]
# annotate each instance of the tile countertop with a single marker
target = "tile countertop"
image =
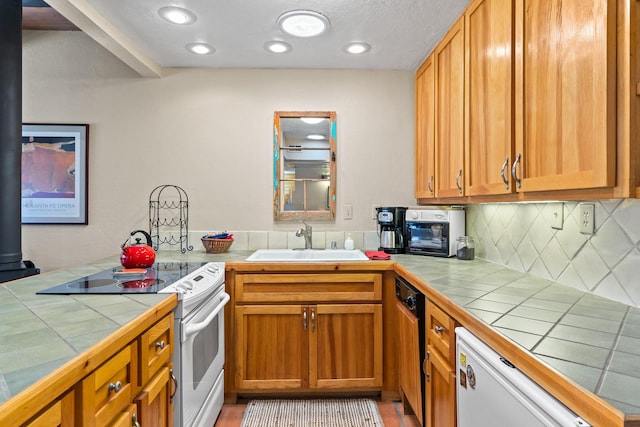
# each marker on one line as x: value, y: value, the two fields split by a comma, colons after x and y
x: 593, y: 341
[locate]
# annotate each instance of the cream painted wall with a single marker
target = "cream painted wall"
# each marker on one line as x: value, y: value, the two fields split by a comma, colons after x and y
x: 208, y: 131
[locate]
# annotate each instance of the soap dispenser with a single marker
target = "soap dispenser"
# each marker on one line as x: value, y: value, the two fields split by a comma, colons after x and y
x: 348, y: 243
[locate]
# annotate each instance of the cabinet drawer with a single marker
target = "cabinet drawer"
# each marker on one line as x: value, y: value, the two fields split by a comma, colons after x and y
x: 308, y: 288
x: 156, y: 346
x: 128, y: 418
x: 59, y: 413
x: 110, y: 388
x: 440, y: 332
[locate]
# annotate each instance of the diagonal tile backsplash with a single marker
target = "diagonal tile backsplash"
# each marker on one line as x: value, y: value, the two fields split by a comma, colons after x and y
x: 520, y: 236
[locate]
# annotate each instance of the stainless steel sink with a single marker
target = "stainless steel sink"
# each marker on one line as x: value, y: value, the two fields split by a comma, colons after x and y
x: 307, y: 255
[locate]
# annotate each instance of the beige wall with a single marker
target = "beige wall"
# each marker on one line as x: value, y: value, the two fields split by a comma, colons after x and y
x: 208, y: 131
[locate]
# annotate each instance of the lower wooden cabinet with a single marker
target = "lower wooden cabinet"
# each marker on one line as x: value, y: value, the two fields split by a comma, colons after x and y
x: 154, y: 404
x: 314, y: 347
x: 59, y: 413
x: 307, y: 331
x: 409, y: 365
x: 439, y: 368
x: 440, y: 388
x: 320, y: 346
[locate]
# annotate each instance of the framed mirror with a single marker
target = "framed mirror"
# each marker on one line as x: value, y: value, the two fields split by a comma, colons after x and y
x: 304, y: 165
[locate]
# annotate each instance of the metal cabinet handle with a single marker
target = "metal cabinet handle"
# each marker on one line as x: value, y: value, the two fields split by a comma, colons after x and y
x: 175, y: 383
x: 504, y: 178
x: 313, y: 319
x: 458, y: 181
x: 438, y: 329
x: 304, y: 319
x: 514, y: 171
x: 115, y: 387
x: 160, y: 345
x: 425, y: 368
x: 430, y: 185
x: 134, y: 420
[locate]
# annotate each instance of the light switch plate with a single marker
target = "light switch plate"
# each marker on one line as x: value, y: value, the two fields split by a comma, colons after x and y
x: 348, y: 211
x: 374, y: 211
x: 586, y: 218
x: 557, y: 215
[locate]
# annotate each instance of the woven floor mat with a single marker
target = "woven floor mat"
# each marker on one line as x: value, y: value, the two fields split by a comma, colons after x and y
x: 312, y: 413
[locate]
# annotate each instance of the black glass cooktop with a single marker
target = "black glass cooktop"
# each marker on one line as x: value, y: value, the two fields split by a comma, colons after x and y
x: 116, y: 281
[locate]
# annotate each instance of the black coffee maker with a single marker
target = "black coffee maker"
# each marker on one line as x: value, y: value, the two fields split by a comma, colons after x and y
x: 391, y: 229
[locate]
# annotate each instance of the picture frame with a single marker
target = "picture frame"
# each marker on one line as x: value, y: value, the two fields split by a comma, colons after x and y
x: 55, y: 173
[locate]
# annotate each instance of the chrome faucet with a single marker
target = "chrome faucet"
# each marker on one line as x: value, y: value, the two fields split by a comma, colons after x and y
x: 306, y: 232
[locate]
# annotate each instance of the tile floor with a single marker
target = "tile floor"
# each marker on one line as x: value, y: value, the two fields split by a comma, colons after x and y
x: 390, y: 411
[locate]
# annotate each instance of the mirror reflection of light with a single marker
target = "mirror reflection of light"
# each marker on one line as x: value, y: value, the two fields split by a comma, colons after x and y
x: 312, y: 120
x: 315, y: 136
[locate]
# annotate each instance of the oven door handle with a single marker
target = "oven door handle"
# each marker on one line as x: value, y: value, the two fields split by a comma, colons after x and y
x: 197, y: 327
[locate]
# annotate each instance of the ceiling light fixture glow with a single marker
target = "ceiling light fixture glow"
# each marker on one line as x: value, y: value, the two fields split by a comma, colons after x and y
x: 177, y: 15
x: 200, y: 48
x: 315, y: 136
x: 277, y: 46
x: 357, y: 48
x: 303, y: 23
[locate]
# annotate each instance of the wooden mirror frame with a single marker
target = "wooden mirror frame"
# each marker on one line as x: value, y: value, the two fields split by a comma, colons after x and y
x: 279, y: 212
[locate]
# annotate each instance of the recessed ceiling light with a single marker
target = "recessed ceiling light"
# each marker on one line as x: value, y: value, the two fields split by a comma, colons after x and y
x: 277, y: 46
x: 357, y: 47
x: 200, y: 48
x: 312, y: 120
x: 177, y: 15
x: 315, y: 136
x: 303, y: 23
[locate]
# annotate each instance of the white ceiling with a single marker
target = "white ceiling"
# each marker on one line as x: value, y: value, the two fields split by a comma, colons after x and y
x: 401, y: 32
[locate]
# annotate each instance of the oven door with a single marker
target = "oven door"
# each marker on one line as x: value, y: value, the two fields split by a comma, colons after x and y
x: 202, y: 351
x: 428, y: 238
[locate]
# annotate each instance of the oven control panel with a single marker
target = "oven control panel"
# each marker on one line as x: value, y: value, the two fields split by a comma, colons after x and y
x: 198, y: 284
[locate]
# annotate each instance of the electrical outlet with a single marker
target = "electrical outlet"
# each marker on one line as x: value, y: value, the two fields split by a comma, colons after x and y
x: 374, y: 211
x: 348, y: 211
x: 557, y: 215
x: 587, y: 218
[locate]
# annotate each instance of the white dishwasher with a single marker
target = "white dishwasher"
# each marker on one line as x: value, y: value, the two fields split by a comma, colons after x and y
x: 493, y: 392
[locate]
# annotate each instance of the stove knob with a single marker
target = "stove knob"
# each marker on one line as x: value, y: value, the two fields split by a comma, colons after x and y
x: 415, y: 214
x: 187, y: 285
x: 213, y: 268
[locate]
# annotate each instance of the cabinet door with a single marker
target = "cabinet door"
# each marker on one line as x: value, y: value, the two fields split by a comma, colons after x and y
x: 409, y: 359
x: 108, y: 390
x: 59, y: 413
x: 272, y: 347
x: 425, y: 130
x: 450, y: 113
x: 345, y: 349
x: 565, y: 94
x: 489, y: 96
x: 154, y: 401
x: 129, y: 418
x: 440, y: 391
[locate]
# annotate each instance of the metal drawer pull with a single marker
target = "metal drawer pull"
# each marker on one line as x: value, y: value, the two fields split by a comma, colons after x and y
x: 458, y: 181
x: 313, y: 319
x: 115, y: 387
x: 425, y: 368
x: 175, y: 383
x: 134, y: 420
x: 160, y: 345
x: 304, y: 319
x: 504, y: 178
x: 514, y: 171
x: 438, y: 329
x: 429, y: 186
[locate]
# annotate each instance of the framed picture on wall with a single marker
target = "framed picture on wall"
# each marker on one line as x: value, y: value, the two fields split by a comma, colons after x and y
x: 54, y: 173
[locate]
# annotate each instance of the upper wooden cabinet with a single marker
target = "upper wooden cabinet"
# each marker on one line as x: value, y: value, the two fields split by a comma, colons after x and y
x: 425, y: 130
x: 551, y: 92
x: 449, y: 156
x: 489, y: 145
x: 565, y: 94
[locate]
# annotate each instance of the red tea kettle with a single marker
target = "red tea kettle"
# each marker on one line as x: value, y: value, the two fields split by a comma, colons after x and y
x: 138, y: 255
